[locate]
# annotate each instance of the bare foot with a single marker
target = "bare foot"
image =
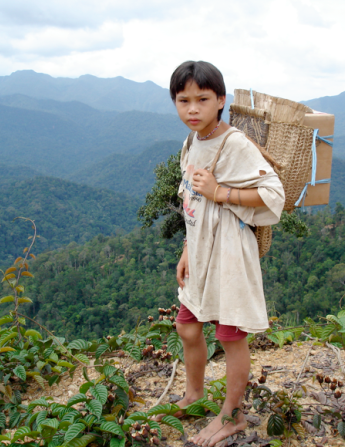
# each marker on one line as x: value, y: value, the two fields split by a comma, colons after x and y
x: 181, y: 403
x: 216, y: 431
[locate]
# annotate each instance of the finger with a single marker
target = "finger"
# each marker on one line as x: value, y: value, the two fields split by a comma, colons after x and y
x: 180, y: 282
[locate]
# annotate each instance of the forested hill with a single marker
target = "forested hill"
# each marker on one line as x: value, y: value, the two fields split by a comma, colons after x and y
x: 87, y: 290
x: 64, y: 212
x: 131, y: 174
x: 56, y: 145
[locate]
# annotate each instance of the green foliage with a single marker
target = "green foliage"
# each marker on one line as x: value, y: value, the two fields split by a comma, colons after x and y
x: 163, y: 199
x: 60, y: 205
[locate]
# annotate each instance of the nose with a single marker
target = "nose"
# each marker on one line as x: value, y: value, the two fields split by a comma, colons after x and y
x: 193, y: 109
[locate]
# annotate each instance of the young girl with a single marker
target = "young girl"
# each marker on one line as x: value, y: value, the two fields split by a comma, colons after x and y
x: 219, y: 271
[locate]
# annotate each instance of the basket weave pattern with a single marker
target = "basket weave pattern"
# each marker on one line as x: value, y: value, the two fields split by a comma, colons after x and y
x: 288, y: 143
x: 291, y: 145
x: 256, y: 129
x: 264, y: 238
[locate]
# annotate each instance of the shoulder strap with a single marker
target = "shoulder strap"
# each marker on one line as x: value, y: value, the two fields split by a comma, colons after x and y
x: 190, y: 139
x: 216, y: 158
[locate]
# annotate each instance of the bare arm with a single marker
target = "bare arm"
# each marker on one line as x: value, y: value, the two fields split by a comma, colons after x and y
x: 182, y: 269
x: 205, y: 183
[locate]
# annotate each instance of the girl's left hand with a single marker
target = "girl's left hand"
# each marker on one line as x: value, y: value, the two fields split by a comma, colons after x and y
x: 204, y: 183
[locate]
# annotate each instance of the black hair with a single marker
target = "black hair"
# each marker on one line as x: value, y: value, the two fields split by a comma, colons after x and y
x: 204, y: 74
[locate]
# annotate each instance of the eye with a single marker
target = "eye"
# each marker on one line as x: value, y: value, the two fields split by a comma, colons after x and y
x: 182, y: 100
x: 203, y: 99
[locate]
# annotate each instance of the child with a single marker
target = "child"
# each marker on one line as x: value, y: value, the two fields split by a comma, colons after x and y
x: 219, y: 271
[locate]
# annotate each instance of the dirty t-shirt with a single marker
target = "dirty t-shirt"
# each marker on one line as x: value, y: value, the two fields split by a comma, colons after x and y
x: 225, y: 281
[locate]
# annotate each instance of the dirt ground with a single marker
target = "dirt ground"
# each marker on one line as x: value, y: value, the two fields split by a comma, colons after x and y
x: 283, y: 366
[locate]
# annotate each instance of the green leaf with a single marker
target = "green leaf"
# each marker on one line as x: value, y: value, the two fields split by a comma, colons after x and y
x: 38, y: 402
x: 111, y: 427
x: 341, y: 428
x: 73, y: 431
x: 6, y: 319
x: 89, y: 419
x: 20, y: 433
x: 275, y: 425
x: 211, y: 349
x: 121, y: 382
x: 81, y: 442
x: 2, y: 420
x: 164, y: 324
x: 195, y: 410
x: 155, y: 426
x: 174, y: 343
x: 95, y: 407
x: 5, y: 437
x: 66, y: 364
x: 327, y: 331
x: 126, y: 424
x: 54, y: 423
x: 7, y: 338
x: 20, y: 372
x: 134, y: 352
x: 7, y: 299
x: 100, y: 392
x: 276, y: 443
x: 101, y: 350
x: 139, y: 416
x: 76, y: 399
x: 85, y: 387
x: 80, y: 344
x: 209, y: 404
x: 109, y: 370
x: 317, y: 421
x: 83, y: 358
x: 53, y: 379
x: 114, y: 442
x: 163, y: 409
x: 173, y: 422
x: 34, y: 334
x: 40, y: 417
x: 53, y: 357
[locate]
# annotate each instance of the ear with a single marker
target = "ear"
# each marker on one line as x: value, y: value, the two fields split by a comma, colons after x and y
x: 221, y: 102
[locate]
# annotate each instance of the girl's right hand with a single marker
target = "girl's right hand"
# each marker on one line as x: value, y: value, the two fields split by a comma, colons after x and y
x: 182, y: 269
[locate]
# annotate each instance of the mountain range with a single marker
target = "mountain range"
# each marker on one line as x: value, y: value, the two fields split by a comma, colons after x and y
x: 81, y: 141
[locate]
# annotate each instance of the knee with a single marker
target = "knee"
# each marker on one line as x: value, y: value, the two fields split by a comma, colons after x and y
x: 189, y: 332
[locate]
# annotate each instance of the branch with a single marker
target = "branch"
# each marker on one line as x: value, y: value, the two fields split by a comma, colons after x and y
x: 169, y: 383
x: 54, y: 337
x: 178, y: 210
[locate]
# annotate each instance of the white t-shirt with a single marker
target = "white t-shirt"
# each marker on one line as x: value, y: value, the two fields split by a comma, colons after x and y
x: 225, y: 281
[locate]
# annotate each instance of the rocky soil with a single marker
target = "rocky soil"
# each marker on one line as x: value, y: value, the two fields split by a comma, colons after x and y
x: 282, y: 365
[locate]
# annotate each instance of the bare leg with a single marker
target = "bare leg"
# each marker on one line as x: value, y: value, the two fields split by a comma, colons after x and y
x: 237, y: 370
x: 195, y: 356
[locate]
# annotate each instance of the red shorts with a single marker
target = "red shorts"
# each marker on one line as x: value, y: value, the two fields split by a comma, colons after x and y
x: 223, y: 332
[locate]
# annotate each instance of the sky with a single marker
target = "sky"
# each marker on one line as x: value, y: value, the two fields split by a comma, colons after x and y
x: 287, y: 48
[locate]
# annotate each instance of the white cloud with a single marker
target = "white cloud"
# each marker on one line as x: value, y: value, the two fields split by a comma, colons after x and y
x: 288, y: 48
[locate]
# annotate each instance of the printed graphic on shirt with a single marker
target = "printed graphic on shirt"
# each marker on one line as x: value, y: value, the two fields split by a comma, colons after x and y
x: 189, y: 195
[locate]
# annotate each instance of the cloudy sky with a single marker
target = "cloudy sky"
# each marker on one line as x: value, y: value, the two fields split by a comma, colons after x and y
x: 289, y: 48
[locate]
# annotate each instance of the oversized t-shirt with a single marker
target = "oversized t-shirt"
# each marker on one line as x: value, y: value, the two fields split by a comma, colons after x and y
x: 225, y: 280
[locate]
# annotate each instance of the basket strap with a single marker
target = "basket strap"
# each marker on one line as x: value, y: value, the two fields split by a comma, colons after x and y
x: 325, y: 139
x: 216, y: 158
x: 304, y: 191
x: 190, y: 139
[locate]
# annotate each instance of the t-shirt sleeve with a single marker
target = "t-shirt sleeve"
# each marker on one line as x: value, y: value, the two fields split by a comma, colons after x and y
x: 241, y: 165
x: 183, y: 165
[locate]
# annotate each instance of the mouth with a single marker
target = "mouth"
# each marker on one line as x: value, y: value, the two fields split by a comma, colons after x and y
x: 194, y: 122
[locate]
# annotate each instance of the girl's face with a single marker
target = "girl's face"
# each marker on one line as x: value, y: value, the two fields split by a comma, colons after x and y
x: 198, y: 109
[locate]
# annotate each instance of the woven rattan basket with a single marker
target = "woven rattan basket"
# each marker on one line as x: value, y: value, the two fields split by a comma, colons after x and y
x: 288, y: 143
